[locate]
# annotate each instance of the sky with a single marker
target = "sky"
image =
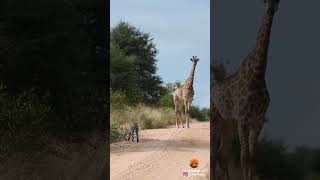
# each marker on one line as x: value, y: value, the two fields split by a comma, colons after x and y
x: 180, y: 29
x: 293, y: 65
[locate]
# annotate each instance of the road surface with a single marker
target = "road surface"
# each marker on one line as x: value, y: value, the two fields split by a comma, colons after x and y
x: 163, y: 154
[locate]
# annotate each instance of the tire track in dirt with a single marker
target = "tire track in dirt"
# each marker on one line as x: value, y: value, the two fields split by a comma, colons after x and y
x: 161, y: 153
x: 148, y: 162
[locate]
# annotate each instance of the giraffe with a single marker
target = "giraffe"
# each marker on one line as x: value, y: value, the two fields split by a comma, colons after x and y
x: 183, y: 96
x: 224, y: 134
x: 243, y: 98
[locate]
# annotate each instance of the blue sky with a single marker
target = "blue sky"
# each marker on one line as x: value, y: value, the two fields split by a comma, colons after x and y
x: 181, y: 29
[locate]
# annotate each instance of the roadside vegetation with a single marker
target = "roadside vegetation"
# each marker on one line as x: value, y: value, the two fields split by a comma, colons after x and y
x: 52, y: 98
x: 137, y: 93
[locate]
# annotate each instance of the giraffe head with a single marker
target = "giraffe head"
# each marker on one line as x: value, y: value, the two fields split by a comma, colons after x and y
x: 271, y: 6
x: 194, y: 60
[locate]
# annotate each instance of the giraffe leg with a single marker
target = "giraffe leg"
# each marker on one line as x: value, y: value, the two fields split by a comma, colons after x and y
x: 244, y: 145
x: 176, y: 109
x: 188, y: 114
x: 183, y: 110
x: 215, y: 140
x: 226, y: 141
x: 214, y: 145
x: 223, y: 161
x: 177, y: 116
x: 253, y: 140
x: 180, y: 114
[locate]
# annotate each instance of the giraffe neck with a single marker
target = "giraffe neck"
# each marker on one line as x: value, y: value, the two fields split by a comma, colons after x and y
x: 189, y: 81
x: 259, y: 56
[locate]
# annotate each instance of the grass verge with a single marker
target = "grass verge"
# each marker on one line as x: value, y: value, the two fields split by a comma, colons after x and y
x: 146, y: 117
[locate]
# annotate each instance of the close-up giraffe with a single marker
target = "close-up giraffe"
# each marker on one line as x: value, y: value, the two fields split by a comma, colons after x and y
x: 243, y: 99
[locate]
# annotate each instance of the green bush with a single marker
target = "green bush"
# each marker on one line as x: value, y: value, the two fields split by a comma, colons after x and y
x: 146, y: 122
x: 123, y: 75
x: 275, y: 162
x: 138, y: 56
x: 200, y: 114
x: 316, y: 162
x: 218, y: 70
x: 167, y: 101
x: 117, y: 99
x: 115, y: 130
x: 146, y: 117
x: 23, y: 119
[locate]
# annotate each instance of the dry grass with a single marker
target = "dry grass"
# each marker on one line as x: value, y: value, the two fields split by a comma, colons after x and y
x: 59, y: 161
x: 147, y: 118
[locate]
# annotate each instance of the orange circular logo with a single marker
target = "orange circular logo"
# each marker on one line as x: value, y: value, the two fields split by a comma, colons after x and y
x: 194, y: 163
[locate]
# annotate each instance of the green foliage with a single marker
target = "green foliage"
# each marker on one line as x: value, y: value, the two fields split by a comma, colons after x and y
x: 56, y: 53
x: 313, y: 176
x: 286, y: 165
x: 146, y: 123
x: 135, y: 43
x: 147, y: 117
x: 123, y: 75
x: 171, y: 87
x: 308, y: 160
x: 118, y: 100
x: 116, y: 131
x: 177, y: 84
x: 275, y: 161
x: 201, y: 114
x: 23, y: 118
x: 52, y: 61
x: 218, y: 70
x: 166, y: 99
x: 316, y: 162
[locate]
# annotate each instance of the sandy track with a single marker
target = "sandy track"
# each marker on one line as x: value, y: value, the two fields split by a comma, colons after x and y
x: 162, y: 154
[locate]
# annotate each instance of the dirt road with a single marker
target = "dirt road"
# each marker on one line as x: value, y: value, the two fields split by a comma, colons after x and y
x: 163, y: 154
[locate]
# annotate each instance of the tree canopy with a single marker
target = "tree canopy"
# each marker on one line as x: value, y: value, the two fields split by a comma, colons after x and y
x: 53, y: 48
x: 140, y: 48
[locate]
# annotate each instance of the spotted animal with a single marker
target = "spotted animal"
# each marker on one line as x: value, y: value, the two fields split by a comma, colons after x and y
x: 131, y: 130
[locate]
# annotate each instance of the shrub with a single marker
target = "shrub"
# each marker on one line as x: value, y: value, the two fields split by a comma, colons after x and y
x: 166, y: 101
x: 145, y: 122
x: 117, y: 99
x: 23, y: 118
x: 316, y: 162
x: 275, y: 162
x: 115, y: 130
x: 147, y: 118
x: 134, y: 43
x: 200, y: 114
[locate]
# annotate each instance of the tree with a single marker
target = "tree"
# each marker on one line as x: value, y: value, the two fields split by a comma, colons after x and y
x: 316, y: 161
x: 123, y: 75
x: 201, y: 114
x: 166, y: 99
x: 54, y: 48
x: 218, y: 70
x: 284, y: 167
x: 135, y: 43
